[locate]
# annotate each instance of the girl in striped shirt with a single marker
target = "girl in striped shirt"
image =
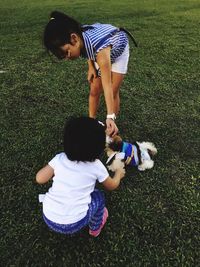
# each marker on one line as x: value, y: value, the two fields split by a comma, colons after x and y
x: 107, y: 50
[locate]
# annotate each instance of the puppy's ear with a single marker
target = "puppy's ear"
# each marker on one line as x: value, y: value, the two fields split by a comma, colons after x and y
x: 116, y: 146
x: 117, y: 138
x: 108, y: 151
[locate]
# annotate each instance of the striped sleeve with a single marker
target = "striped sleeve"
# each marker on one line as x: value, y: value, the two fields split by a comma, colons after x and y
x: 100, y: 36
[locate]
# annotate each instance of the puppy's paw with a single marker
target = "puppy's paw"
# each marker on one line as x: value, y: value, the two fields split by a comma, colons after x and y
x: 141, y: 168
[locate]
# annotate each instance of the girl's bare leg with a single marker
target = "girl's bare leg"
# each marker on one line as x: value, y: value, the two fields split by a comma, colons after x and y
x: 96, y: 91
x: 94, y: 96
x: 117, y: 79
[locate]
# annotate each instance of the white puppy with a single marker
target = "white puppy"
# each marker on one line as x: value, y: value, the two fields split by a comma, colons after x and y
x: 136, y: 154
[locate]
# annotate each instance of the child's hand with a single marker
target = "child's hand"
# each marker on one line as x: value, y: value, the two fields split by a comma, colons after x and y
x: 121, y: 173
x: 112, y: 129
x: 92, y: 73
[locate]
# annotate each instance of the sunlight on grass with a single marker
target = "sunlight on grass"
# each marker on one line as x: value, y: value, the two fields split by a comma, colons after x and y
x: 153, y: 216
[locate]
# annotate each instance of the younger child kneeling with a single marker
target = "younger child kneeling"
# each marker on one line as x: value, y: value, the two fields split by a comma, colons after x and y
x: 72, y: 201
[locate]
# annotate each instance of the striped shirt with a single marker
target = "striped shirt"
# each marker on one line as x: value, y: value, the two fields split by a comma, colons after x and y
x: 99, y: 36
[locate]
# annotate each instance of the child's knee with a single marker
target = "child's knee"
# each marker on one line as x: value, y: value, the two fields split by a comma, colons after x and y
x: 95, y: 88
x: 95, y: 91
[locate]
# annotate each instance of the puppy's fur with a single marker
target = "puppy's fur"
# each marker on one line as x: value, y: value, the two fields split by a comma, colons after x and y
x: 136, y: 154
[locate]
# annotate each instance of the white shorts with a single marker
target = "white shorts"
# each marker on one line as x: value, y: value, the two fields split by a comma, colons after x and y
x: 121, y: 63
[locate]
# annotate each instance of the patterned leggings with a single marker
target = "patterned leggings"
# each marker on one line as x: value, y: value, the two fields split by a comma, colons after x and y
x: 93, y: 217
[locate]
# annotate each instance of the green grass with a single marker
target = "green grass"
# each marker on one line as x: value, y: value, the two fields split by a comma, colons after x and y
x: 154, y: 216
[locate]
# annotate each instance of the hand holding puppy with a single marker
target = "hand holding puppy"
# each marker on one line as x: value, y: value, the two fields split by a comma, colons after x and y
x: 120, y: 172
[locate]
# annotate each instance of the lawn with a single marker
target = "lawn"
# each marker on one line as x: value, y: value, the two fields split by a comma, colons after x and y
x: 154, y: 217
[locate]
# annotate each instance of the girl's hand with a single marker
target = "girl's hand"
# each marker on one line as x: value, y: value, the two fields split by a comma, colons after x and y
x: 112, y: 129
x: 121, y: 173
x: 92, y: 73
x: 113, y: 183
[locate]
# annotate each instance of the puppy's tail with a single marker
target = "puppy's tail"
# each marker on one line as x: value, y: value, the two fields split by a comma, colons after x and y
x: 149, y: 146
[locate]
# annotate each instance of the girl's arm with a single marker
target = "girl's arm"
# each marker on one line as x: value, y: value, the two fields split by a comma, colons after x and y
x: 103, y: 60
x: 44, y: 175
x: 112, y: 183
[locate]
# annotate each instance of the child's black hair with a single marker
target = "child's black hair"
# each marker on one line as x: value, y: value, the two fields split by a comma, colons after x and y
x: 58, y: 32
x: 84, y: 139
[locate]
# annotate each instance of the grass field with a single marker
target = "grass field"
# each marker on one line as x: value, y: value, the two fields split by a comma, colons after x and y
x: 154, y: 216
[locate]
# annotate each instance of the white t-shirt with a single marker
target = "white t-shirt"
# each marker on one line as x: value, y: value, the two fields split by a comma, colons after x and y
x: 68, y: 199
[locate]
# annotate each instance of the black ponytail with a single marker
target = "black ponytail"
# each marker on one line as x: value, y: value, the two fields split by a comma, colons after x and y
x: 58, y: 32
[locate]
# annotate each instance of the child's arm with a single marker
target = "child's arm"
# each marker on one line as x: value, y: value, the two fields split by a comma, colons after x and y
x: 44, y: 175
x: 112, y: 183
x: 103, y: 60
